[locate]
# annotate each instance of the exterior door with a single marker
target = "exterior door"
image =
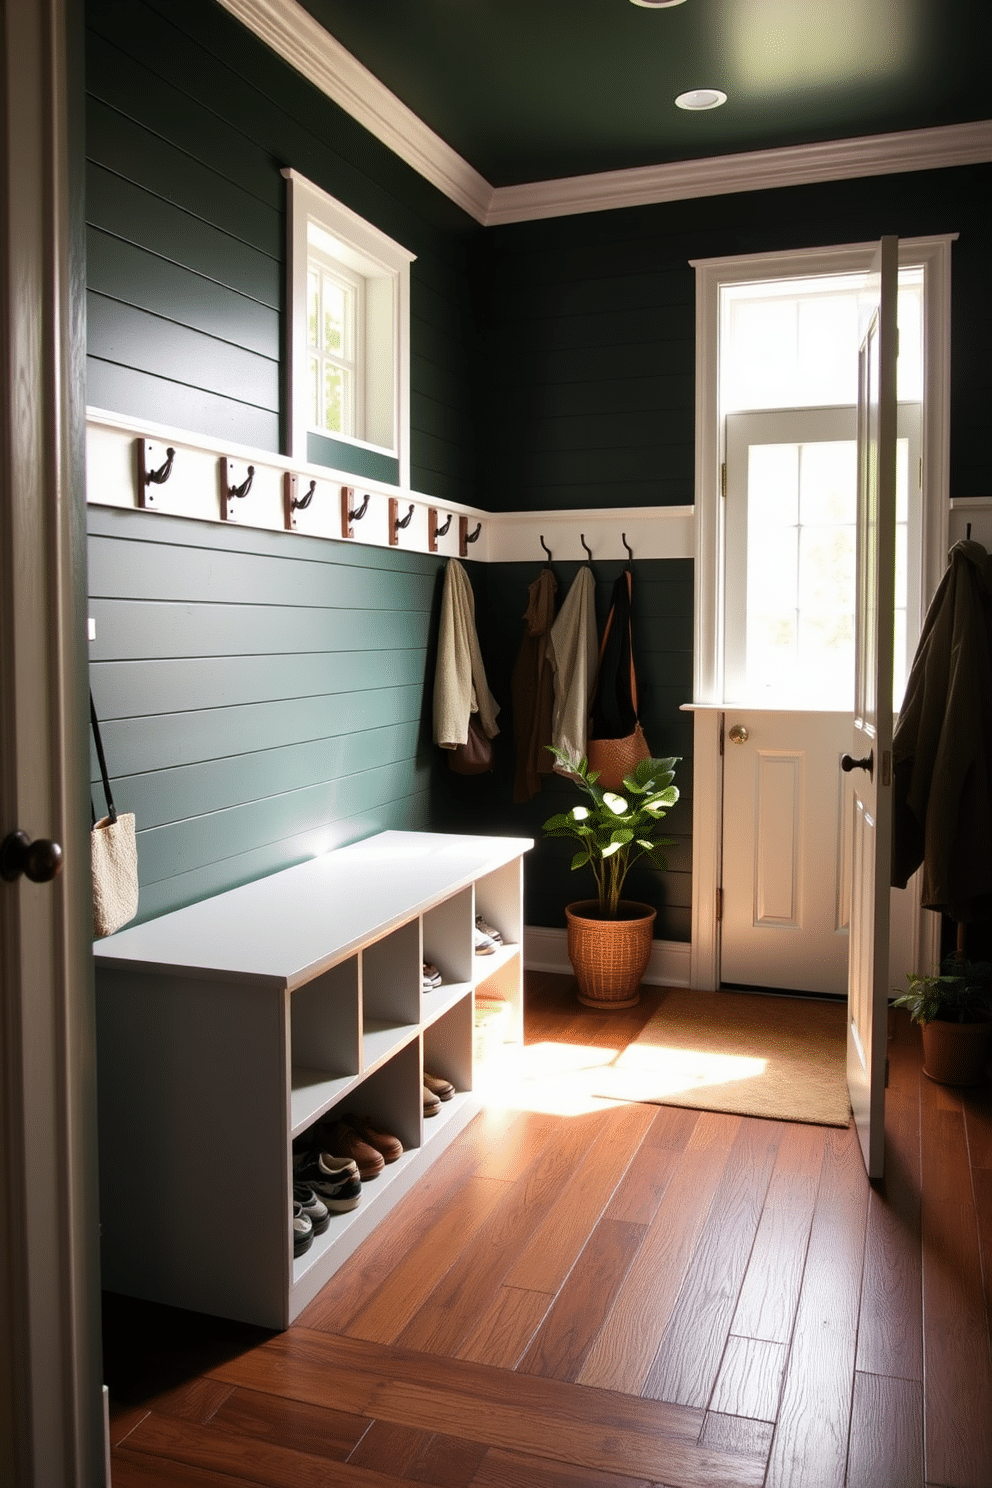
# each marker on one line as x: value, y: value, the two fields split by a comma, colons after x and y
x: 51, y: 1409
x: 870, y: 761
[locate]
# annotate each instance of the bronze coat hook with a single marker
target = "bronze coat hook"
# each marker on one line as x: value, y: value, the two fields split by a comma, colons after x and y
x: 545, y: 547
x: 630, y: 551
x: 245, y: 486
x: 349, y: 514
x: 161, y: 475
x: 300, y: 503
x: 582, y: 540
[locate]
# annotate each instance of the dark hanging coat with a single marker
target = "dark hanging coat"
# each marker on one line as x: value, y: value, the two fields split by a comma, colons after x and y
x: 533, y: 690
x: 942, y: 748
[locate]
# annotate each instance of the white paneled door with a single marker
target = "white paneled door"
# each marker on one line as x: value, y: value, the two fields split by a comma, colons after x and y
x: 786, y: 850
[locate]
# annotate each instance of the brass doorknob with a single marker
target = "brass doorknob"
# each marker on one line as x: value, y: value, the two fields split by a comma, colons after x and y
x: 40, y: 861
x: 738, y: 734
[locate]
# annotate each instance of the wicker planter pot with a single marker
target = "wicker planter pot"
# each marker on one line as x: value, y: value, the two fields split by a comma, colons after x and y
x: 609, y: 957
x: 956, y: 1053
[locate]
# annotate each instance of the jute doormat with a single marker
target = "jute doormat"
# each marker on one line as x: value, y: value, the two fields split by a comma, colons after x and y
x: 745, y: 1053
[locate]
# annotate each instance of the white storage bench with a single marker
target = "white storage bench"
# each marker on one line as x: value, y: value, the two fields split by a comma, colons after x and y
x: 226, y: 1029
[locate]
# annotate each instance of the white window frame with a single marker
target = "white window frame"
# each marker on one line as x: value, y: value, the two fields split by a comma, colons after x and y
x: 383, y: 266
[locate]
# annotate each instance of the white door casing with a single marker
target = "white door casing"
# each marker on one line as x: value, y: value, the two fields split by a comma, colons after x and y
x: 870, y: 762
x: 918, y: 931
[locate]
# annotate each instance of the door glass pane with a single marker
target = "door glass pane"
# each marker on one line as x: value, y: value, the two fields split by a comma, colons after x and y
x: 801, y: 578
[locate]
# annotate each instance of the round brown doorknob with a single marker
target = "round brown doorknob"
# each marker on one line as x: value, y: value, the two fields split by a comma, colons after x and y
x: 40, y: 861
x: 848, y: 762
x: 738, y: 734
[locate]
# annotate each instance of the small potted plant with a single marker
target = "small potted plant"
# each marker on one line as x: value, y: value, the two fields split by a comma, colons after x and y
x: 954, y: 1011
x: 609, y: 937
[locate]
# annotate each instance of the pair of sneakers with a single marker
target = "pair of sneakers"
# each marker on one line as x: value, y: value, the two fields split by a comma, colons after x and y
x: 322, y: 1183
x: 487, y: 937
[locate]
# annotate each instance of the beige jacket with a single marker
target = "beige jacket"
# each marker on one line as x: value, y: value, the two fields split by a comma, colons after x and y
x: 460, y: 686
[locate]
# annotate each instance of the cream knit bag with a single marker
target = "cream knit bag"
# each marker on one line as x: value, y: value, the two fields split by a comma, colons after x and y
x: 114, y: 856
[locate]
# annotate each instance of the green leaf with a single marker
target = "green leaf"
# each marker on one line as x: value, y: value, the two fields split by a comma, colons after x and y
x: 615, y: 803
x: 610, y: 849
x: 580, y: 859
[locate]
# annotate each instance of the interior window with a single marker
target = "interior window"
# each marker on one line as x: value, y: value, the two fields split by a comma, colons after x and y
x: 348, y: 338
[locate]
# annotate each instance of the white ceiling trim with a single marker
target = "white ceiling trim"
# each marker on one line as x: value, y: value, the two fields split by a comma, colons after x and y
x: 294, y: 35
x: 291, y: 32
x: 758, y: 170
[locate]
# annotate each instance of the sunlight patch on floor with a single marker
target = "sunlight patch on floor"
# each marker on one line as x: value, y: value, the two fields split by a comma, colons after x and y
x: 565, y: 1079
x: 557, y: 1079
x: 669, y: 1070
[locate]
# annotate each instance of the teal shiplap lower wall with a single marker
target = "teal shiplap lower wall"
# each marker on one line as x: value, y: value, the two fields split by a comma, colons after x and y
x: 662, y: 629
x: 261, y: 695
x: 190, y: 119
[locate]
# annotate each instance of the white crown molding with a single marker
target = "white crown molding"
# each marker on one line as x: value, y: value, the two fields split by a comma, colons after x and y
x: 291, y: 32
x: 758, y: 170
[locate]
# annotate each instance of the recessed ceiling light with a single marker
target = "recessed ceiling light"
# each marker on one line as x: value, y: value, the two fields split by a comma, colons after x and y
x: 657, y: 4
x: 701, y: 98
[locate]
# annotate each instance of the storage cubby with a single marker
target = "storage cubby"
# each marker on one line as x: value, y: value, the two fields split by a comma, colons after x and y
x: 227, y: 1029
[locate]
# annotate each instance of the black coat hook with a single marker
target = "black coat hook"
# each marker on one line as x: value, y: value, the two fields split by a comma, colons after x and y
x: 582, y: 540
x: 545, y: 547
x: 245, y: 485
x: 300, y: 503
x: 440, y: 531
x: 630, y: 551
x: 161, y: 475
x: 404, y: 521
x: 359, y: 512
x: 474, y: 536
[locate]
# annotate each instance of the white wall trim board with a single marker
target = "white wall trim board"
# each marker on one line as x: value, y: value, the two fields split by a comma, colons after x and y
x: 755, y: 170
x: 546, y: 949
x: 194, y: 489
x: 294, y: 35
x: 291, y: 32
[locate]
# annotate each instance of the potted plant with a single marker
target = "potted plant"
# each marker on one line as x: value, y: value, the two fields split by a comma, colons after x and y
x: 609, y: 937
x: 954, y: 1011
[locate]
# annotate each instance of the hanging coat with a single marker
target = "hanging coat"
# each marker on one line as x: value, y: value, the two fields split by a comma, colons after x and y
x: 574, y: 656
x: 533, y: 686
x: 460, y: 686
x: 942, y: 747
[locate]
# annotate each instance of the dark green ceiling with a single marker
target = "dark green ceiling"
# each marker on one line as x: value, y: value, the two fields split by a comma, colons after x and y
x: 534, y: 89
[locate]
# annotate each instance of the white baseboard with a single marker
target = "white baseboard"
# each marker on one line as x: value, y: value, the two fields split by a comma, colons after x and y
x: 547, y: 950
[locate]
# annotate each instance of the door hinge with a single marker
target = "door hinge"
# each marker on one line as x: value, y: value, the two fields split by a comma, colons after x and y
x: 886, y: 1072
x: 722, y: 726
x: 719, y: 905
x: 723, y: 479
x: 886, y: 766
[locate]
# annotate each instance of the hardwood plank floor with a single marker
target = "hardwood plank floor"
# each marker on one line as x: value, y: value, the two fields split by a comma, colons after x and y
x: 583, y: 1294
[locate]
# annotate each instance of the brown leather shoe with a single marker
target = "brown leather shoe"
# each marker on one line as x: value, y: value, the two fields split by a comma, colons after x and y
x: 341, y: 1137
x: 443, y: 1089
x: 383, y: 1142
x: 431, y: 1102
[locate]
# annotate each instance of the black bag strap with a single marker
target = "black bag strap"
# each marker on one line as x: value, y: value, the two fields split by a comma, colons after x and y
x: 111, y: 808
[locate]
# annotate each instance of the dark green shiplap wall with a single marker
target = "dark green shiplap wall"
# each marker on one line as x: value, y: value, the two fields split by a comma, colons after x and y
x: 662, y: 629
x: 589, y: 330
x: 190, y: 119
x: 260, y: 701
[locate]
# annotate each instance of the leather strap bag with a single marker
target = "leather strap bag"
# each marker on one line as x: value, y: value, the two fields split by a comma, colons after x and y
x: 619, y: 744
x: 113, y: 854
x: 476, y: 755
